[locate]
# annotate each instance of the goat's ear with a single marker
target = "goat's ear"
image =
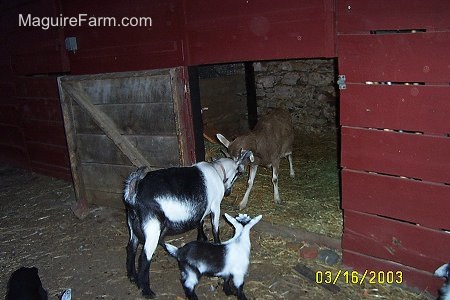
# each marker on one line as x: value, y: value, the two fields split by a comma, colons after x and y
x: 442, y: 271
x: 231, y: 220
x: 255, y: 220
x: 226, y: 154
x: 223, y: 140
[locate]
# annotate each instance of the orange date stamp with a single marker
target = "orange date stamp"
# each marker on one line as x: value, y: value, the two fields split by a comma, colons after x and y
x: 354, y: 277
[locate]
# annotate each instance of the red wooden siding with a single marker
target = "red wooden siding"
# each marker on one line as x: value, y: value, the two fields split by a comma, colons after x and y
x: 355, y: 16
x: 43, y: 125
x: 31, y: 115
x: 105, y: 49
x: 410, y: 107
x: 403, y: 154
x: 418, y: 202
x: 228, y: 31
x: 415, y: 57
x: 395, y: 150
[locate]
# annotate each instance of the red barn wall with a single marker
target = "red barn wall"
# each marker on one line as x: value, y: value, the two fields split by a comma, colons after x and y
x: 182, y: 33
x: 395, y: 136
x: 32, y: 132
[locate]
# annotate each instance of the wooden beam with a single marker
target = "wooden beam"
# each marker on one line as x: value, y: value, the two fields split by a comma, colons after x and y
x: 106, y: 124
x: 252, y: 106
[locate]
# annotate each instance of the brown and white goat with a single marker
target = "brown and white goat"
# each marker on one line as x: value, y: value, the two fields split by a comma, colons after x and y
x: 270, y: 140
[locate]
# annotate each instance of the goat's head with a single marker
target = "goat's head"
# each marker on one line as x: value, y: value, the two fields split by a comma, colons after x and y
x: 235, y: 148
x: 242, y: 220
x: 232, y: 168
x: 444, y: 272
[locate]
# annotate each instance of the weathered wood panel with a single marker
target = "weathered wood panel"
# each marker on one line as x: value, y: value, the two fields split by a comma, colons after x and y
x: 418, y: 57
x: 104, y: 177
x: 408, y: 244
x: 139, y: 118
x: 397, y: 198
x: 115, y: 91
x: 109, y: 139
x: 103, y: 198
x: 229, y: 31
x: 403, y: 154
x: 414, y: 278
x: 362, y: 16
x: 161, y: 151
x: 419, y: 108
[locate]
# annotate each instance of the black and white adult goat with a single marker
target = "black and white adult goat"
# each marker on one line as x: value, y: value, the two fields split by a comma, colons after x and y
x: 444, y: 271
x: 229, y: 260
x: 172, y: 201
x: 270, y: 140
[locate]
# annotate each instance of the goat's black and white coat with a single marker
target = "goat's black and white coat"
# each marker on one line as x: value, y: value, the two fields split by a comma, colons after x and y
x: 229, y: 260
x: 444, y: 271
x: 172, y: 201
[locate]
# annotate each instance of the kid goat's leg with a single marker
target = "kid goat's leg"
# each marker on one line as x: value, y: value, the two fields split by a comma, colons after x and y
x: 251, y: 179
x: 189, y: 280
x: 152, y: 231
x: 238, y: 282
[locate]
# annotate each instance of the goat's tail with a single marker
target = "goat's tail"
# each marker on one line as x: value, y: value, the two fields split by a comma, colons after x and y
x: 131, y: 184
x: 172, y: 250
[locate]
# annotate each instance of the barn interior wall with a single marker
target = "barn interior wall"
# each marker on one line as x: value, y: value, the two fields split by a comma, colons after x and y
x: 306, y: 87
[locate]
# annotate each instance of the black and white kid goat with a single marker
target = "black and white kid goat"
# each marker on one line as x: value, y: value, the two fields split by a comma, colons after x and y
x: 229, y: 260
x: 444, y: 271
x: 172, y: 201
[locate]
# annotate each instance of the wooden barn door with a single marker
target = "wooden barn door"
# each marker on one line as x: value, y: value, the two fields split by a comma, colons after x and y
x: 119, y: 121
x: 395, y: 118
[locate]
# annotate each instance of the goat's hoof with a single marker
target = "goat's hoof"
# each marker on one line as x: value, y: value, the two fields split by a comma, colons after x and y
x: 242, y: 206
x: 149, y: 294
x: 132, y: 278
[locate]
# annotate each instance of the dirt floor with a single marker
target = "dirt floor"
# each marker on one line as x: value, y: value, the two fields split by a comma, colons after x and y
x: 37, y: 228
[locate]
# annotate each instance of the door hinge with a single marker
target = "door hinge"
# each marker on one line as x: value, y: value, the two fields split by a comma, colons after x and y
x: 341, y: 82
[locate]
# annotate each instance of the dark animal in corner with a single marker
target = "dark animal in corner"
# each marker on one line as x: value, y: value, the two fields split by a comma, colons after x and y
x: 172, y: 201
x: 270, y: 140
x: 444, y: 271
x: 25, y: 284
x: 229, y: 260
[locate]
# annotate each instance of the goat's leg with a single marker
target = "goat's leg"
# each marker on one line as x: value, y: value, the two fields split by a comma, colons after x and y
x: 227, y: 289
x: 189, y: 280
x: 201, y: 236
x: 215, y: 214
x: 291, y: 168
x: 238, y: 282
x: 276, y: 194
x: 152, y: 231
x: 131, y: 257
x: 251, y: 179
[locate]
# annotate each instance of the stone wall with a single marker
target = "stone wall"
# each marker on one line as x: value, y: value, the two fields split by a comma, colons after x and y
x: 306, y: 87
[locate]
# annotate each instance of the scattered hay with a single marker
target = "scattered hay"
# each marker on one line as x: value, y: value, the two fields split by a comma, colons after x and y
x: 311, y: 200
